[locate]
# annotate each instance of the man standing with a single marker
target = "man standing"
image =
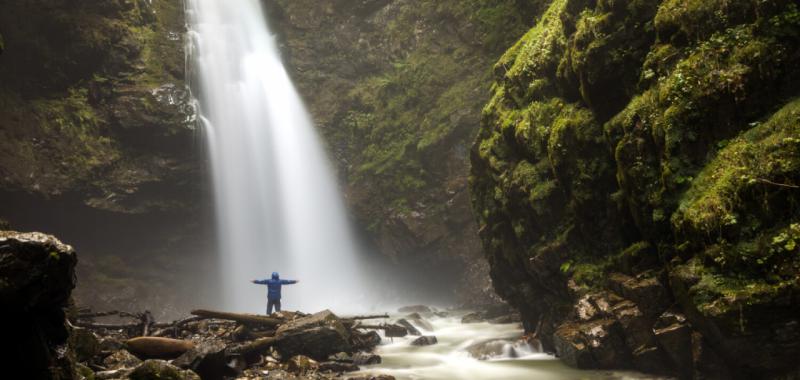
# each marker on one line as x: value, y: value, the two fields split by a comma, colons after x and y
x: 274, y: 290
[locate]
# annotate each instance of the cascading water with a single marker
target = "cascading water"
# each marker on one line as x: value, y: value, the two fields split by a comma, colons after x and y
x: 278, y: 205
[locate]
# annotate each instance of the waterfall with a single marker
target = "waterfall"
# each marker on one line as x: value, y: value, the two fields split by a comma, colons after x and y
x: 278, y: 207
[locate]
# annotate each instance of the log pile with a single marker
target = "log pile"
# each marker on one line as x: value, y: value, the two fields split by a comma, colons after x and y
x: 219, y: 345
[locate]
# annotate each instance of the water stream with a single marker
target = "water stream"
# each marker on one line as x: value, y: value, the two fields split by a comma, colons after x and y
x: 278, y: 207
x: 477, y: 351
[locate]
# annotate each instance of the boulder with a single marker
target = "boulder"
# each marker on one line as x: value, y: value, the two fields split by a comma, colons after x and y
x: 372, y: 377
x: 150, y: 347
x: 365, y: 358
x: 594, y: 344
x: 337, y: 367
x: 342, y: 357
x: 364, y: 341
x: 473, y: 318
x: 409, y: 327
x: 318, y: 336
x: 415, y: 309
x: 84, y: 343
x: 416, y: 319
x: 301, y: 364
x: 37, y: 275
x: 161, y: 370
x: 207, y: 359
x: 121, y: 359
x: 645, y: 290
x: 426, y: 340
x: 675, y: 337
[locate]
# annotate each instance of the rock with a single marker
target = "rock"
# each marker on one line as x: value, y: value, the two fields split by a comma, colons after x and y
x: 364, y: 341
x: 594, y: 344
x: 473, y: 318
x: 416, y: 319
x: 121, y: 359
x: 647, y: 292
x: 409, y: 327
x: 441, y: 314
x: 207, y: 359
x: 301, y: 364
x: 337, y: 367
x: 150, y: 347
x: 675, y: 337
x: 110, y: 345
x: 84, y: 343
x: 505, y: 319
x: 372, y: 377
x: 426, y: 340
x: 394, y: 331
x: 341, y: 357
x: 37, y: 275
x: 364, y: 358
x: 161, y: 370
x: 318, y: 336
x: 414, y: 309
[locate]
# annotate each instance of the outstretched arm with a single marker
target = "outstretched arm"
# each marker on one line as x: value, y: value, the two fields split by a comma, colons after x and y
x: 289, y: 282
x: 259, y: 282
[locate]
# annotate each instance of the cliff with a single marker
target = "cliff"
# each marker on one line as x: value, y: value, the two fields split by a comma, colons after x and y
x: 635, y: 183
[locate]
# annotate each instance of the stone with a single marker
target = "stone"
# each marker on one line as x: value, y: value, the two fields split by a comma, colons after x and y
x: 426, y: 340
x: 364, y: 341
x: 154, y: 369
x: 343, y: 357
x: 417, y: 320
x: 365, y: 358
x: 84, y: 343
x: 414, y: 309
x: 473, y: 318
x: 318, y: 336
x: 207, y: 359
x: 675, y: 337
x: 372, y: 377
x: 301, y: 364
x: 337, y: 367
x: 121, y: 359
x: 37, y: 275
x: 647, y: 292
x: 594, y: 344
x: 409, y: 327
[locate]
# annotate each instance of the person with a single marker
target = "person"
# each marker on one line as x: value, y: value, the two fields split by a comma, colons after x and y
x: 274, y: 290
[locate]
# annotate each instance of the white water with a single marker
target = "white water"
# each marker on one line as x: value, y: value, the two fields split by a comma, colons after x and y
x: 278, y: 205
x: 450, y: 359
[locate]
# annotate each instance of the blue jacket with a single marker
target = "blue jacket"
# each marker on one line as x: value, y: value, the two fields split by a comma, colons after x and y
x: 274, y: 286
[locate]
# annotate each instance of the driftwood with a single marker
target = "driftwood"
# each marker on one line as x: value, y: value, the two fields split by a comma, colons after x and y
x: 256, y: 346
x: 363, y: 317
x: 150, y: 347
x: 247, y: 319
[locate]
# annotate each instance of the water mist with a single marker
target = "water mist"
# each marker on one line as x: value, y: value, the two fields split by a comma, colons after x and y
x: 277, y: 203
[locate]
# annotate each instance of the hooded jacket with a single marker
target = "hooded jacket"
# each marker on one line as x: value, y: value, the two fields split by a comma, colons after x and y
x: 274, y: 285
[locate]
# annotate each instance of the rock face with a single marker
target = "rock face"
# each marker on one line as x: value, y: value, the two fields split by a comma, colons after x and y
x: 635, y: 185
x: 318, y: 336
x: 398, y: 106
x: 37, y: 274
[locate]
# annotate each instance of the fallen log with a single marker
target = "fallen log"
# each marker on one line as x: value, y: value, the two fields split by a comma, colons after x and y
x: 247, y: 319
x: 150, y: 347
x: 363, y: 317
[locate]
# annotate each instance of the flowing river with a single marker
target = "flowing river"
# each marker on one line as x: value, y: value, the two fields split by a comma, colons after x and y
x: 477, y: 351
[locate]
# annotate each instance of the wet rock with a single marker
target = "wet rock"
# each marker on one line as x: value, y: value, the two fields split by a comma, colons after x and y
x: 594, y: 344
x: 425, y: 341
x: 409, y: 327
x: 394, y: 331
x: 364, y: 341
x: 318, y: 336
x: 372, y: 377
x: 365, y: 358
x: 341, y: 357
x: 161, y: 370
x: 416, y: 319
x: 337, y: 367
x: 149, y: 347
x: 506, y: 319
x: 415, y: 309
x: 207, y: 359
x: 121, y: 359
x: 108, y: 345
x: 301, y: 364
x: 646, y: 291
x: 488, y: 349
x: 473, y: 318
x: 675, y: 337
x: 37, y: 275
